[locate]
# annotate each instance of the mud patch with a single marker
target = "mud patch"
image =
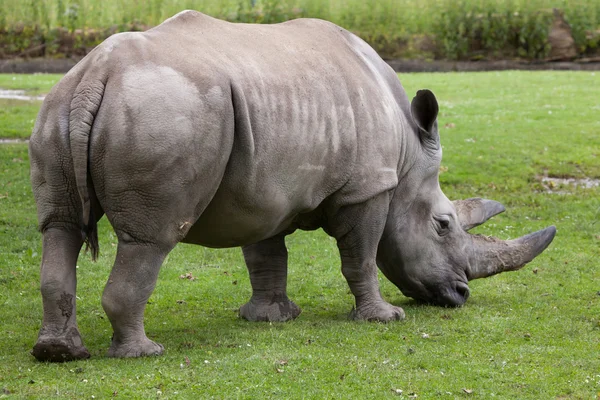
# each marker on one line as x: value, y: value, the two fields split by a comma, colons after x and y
x: 21, y: 95
x: 563, y: 185
x: 13, y: 141
x: 65, y: 304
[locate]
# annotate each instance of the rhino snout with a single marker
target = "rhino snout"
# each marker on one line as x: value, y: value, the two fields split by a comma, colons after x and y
x: 454, y: 296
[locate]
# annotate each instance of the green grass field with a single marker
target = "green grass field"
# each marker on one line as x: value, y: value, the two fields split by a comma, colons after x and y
x: 532, y: 334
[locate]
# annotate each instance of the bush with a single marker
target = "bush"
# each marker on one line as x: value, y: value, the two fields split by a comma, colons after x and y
x: 461, y: 29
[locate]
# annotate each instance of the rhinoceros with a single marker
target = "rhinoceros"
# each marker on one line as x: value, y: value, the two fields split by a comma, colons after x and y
x: 219, y: 134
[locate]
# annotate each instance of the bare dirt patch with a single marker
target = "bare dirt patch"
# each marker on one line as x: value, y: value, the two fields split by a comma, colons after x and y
x: 13, y: 141
x: 562, y: 185
x: 7, y: 94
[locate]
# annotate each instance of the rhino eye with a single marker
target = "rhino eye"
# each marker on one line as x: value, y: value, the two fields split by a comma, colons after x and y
x: 443, y: 223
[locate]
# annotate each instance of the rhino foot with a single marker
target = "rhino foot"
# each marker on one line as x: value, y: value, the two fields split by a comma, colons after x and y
x: 380, y: 312
x: 280, y: 310
x: 140, y: 348
x: 60, y: 348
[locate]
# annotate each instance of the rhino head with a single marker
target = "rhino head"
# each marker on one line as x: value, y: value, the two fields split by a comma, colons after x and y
x: 426, y: 250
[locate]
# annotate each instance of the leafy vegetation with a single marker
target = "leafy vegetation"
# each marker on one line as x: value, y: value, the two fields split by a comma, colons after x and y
x: 430, y: 28
x: 532, y: 334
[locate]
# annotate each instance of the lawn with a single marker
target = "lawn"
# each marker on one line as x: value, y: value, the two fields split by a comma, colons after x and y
x: 17, y: 116
x: 532, y: 334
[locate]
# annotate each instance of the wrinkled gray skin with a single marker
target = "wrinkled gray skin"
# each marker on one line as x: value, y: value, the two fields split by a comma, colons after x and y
x: 218, y: 134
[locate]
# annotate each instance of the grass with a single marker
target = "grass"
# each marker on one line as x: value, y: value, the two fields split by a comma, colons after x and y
x: 533, y: 334
x: 17, y: 117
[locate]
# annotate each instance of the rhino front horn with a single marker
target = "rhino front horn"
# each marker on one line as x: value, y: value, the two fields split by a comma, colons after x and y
x: 492, y: 256
x: 475, y: 211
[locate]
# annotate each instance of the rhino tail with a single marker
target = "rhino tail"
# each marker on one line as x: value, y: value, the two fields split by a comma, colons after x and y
x: 84, y: 107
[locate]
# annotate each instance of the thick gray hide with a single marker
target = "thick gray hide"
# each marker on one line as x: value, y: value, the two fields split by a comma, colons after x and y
x: 219, y: 134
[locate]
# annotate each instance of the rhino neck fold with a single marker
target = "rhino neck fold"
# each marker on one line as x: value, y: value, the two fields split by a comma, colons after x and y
x: 409, y: 176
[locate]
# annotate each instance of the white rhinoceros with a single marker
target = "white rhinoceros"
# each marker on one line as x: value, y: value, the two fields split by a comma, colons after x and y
x: 219, y: 134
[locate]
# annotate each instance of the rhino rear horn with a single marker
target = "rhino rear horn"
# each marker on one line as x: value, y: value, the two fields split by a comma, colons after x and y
x: 475, y: 211
x: 492, y: 256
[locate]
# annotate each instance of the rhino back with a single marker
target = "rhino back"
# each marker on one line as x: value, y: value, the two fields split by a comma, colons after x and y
x: 264, y: 121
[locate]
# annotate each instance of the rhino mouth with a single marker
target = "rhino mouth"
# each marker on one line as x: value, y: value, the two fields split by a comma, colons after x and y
x: 453, y: 295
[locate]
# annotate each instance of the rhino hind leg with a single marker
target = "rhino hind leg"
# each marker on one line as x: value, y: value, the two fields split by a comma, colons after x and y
x: 358, y: 229
x: 59, y: 339
x: 267, y: 265
x: 126, y: 293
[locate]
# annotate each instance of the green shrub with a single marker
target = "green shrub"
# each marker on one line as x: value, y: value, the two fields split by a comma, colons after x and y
x: 533, y: 32
x: 493, y: 30
x: 460, y: 29
x: 2, y: 16
x: 263, y: 12
x: 21, y: 40
x: 452, y: 30
x: 584, y: 19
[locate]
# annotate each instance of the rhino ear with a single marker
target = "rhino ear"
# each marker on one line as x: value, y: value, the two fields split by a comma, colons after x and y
x: 424, y: 109
x: 474, y: 212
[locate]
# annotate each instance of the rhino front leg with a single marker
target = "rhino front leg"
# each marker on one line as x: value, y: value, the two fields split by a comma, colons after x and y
x: 267, y: 265
x: 59, y: 339
x: 358, y: 229
x: 127, y: 291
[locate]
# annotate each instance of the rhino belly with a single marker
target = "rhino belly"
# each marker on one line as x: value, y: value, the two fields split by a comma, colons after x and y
x: 238, y: 219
